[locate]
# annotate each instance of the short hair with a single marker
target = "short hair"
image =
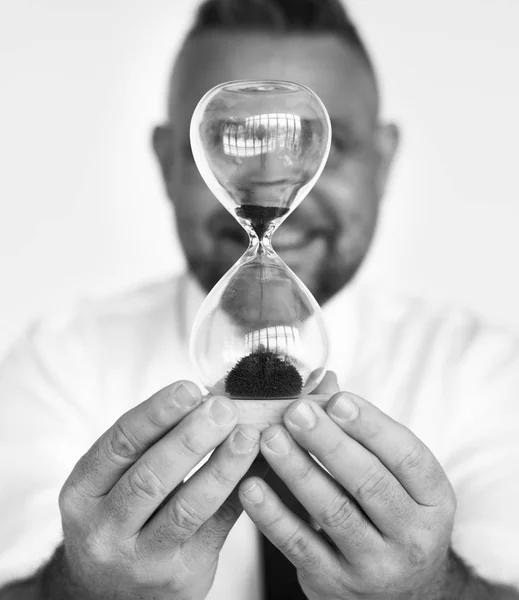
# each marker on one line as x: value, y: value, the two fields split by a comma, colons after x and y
x: 282, y: 16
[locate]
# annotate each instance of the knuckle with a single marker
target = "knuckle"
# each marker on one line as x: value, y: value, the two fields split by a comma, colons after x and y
x: 297, y: 546
x: 371, y: 430
x: 275, y: 520
x: 383, y: 573
x: 163, y: 539
x: 96, y: 549
x: 417, y: 555
x: 411, y: 460
x: 121, y: 444
x: 302, y: 476
x: 190, y: 444
x: 144, y: 482
x: 219, y: 474
x: 184, y: 515
x: 374, y: 484
x: 333, y: 450
x: 338, y: 513
x: 228, y: 512
x: 160, y: 415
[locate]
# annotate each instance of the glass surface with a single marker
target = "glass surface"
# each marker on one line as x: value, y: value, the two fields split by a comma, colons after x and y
x: 260, y: 147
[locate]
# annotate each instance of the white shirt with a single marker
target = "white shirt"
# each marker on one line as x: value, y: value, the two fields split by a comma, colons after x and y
x: 452, y: 381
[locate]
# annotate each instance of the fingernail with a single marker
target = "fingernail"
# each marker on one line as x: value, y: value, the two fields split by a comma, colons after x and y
x: 279, y: 442
x: 344, y: 408
x: 254, y: 494
x: 221, y: 413
x: 303, y: 416
x: 182, y: 396
x: 242, y: 443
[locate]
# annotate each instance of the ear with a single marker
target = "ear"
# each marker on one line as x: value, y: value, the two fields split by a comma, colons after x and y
x: 162, y: 140
x: 387, y: 142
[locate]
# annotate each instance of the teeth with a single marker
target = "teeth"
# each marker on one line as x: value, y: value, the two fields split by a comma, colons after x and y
x: 287, y: 237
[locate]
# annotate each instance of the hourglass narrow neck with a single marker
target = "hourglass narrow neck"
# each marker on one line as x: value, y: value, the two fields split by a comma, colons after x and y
x: 261, y: 246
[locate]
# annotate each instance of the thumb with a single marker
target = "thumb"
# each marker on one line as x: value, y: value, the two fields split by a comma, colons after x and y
x: 329, y: 384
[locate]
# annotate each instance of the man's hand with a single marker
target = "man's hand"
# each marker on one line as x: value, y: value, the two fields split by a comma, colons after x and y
x: 131, y: 530
x: 388, y: 509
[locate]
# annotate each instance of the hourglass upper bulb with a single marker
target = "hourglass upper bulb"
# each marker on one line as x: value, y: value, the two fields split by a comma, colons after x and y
x: 260, y: 146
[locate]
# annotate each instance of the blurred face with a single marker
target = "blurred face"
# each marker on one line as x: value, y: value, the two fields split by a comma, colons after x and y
x: 325, y: 240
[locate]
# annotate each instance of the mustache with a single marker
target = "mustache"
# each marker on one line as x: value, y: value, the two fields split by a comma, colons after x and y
x: 221, y: 222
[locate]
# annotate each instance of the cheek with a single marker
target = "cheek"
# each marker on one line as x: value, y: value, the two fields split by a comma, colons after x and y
x: 354, y: 201
x: 193, y: 203
x: 359, y: 223
x: 192, y: 199
x: 351, y: 194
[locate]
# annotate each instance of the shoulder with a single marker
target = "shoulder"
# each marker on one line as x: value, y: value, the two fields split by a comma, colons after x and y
x: 461, y: 342
x: 91, y: 321
x: 95, y: 354
x: 134, y: 303
x: 434, y: 319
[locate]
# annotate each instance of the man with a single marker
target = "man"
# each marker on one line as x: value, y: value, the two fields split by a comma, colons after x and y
x: 421, y: 457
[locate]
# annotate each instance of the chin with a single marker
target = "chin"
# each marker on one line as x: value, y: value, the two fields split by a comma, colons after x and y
x: 309, y: 279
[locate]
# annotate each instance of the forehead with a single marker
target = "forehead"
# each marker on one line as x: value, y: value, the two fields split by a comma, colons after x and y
x: 323, y: 63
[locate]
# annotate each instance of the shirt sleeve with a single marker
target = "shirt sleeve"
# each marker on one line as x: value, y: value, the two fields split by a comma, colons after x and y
x: 483, y: 465
x: 47, y: 408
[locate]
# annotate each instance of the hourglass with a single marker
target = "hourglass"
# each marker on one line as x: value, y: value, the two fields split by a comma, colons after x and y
x: 259, y: 336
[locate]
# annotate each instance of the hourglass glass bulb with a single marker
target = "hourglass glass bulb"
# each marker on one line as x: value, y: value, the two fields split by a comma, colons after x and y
x: 260, y: 147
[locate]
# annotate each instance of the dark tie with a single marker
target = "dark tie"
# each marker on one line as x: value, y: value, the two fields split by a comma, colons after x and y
x: 279, y: 575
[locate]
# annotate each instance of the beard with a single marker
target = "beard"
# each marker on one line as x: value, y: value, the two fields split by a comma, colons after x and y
x: 334, y: 273
x: 329, y: 277
x: 207, y: 271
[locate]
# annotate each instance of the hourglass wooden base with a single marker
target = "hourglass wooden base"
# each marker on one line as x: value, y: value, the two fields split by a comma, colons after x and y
x: 263, y: 413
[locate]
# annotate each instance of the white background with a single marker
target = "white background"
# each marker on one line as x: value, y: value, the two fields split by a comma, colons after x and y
x: 82, y: 210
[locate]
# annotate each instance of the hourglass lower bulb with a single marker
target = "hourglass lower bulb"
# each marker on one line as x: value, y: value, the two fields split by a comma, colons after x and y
x: 259, y: 337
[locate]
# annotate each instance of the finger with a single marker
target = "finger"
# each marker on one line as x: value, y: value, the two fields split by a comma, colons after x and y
x: 334, y: 510
x: 302, y: 546
x: 400, y: 450
x: 141, y: 490
x: 202, y: 495
x: 329, y: 384
x: 214, y: 532
x: 130, y: 436
x: 211, y: 536
x: 355, y: 468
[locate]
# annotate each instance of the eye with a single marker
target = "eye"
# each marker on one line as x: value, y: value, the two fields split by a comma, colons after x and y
x: 342, y: 148
x: 340, y: 144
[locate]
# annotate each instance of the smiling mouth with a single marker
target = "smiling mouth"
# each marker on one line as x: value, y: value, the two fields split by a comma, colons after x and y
x: 285, y: 239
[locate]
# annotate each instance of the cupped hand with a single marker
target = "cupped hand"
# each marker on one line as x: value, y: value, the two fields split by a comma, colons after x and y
x: 132, y: 528
x: 383, y: 504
